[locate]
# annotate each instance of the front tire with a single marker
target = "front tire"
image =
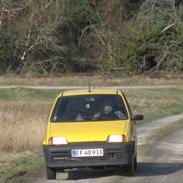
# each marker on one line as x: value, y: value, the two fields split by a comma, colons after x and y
x: 50, y: 173
x: 130, y: 169
x: 135, y: 163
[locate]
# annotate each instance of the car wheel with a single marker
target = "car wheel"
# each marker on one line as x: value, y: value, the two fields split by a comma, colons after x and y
x: 50, y: 173
x: 135, y: 163
x: 130, y: 168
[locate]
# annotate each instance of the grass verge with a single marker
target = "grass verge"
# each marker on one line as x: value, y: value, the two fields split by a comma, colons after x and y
x: 13, y: 166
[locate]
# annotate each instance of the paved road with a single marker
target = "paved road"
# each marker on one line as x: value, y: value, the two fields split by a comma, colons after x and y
x: 84, y: 87
x: 162, y: 163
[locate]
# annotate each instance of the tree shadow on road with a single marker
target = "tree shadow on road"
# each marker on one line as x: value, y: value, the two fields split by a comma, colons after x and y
x: 155, y: 169
x: 91, y: 173
x: 145, y: 169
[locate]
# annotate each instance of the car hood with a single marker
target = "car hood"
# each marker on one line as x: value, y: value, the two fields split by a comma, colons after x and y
x: 87, y: 131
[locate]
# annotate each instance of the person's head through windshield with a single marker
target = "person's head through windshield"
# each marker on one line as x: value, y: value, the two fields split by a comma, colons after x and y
x: 107, y: 108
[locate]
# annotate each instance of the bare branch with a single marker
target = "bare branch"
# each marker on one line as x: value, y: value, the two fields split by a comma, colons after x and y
x: 26, y: 45
x: 1, y: 16
x: 168, y: 27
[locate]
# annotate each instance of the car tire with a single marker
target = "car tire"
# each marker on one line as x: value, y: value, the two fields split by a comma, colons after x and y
x: 135, y: 163
x: 130, y: 168
x: 50, y: 173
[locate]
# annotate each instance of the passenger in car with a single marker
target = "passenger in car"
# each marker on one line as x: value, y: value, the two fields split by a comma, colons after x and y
x: 108, y: 113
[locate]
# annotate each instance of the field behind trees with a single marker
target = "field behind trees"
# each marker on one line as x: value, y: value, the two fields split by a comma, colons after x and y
x: 58, y: 36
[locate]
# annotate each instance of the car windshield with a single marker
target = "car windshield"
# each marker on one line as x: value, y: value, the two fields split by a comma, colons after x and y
x: 89, y: 108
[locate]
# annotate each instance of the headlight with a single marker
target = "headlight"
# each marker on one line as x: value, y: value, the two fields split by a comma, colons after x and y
x: 58, y: 141
x: 117, y: 138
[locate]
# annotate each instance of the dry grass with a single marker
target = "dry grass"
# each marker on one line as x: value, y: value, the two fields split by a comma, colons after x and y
x: 97, y: 80
x: 22, y: 125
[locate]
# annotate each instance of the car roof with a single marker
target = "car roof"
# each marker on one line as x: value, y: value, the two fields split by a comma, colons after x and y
x: 87, y: 92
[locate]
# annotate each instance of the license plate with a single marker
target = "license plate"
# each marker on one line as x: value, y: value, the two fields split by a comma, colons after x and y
x: 87, y: 152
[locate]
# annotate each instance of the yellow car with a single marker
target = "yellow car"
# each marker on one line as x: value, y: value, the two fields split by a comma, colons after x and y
x: 90, y: 128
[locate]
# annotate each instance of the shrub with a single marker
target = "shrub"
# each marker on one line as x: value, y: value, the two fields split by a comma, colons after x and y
x: 76, y: 19
x: 155, y: 50
x: 158, y: 39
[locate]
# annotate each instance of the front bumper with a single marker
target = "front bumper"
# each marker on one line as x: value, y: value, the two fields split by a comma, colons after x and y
x: 115, y: 154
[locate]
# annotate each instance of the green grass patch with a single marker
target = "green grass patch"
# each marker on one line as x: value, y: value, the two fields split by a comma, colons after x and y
x: 25, y: 94
x: 14, y: 166
x: 155, y: 103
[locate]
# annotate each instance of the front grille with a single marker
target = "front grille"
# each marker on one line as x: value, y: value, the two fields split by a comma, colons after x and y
x: 87, y: 143
x: 61, y: 154
x: 111, y: 151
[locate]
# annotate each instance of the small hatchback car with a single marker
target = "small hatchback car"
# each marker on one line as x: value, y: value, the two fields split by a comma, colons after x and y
x: 90, y: 129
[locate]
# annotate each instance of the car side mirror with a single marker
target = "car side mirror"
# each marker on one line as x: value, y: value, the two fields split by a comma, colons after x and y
x: 138, y: 117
